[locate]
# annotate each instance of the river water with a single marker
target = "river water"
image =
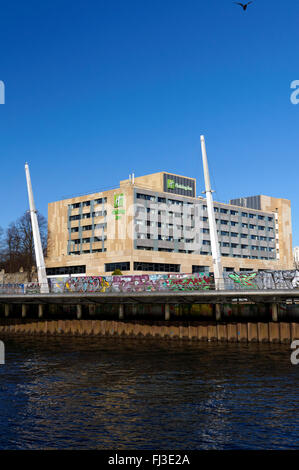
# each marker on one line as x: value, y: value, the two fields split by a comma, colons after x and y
x: 112, y: 393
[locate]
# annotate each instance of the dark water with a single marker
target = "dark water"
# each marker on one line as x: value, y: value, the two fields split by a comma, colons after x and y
x: 86, y: 393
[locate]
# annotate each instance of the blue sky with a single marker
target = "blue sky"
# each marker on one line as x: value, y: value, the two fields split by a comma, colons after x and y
x: 96, y: 90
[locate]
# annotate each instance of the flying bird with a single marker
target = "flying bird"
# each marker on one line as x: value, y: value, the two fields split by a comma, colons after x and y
x: 243, y: 5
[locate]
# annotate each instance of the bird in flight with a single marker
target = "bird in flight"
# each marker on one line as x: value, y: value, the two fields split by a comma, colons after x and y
x: 243, y: 5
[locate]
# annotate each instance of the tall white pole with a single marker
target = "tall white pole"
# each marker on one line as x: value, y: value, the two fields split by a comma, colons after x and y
x: 217, y: 266
x: 40, y: 262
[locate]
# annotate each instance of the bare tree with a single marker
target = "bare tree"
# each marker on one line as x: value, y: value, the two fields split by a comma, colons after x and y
x: 19, y: 244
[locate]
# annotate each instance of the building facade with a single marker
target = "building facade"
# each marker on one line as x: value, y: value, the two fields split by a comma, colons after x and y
x: 156, y: 224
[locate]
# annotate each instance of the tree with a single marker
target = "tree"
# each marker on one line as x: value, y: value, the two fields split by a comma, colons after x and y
x: 19, y: 244
x: 117, y: 272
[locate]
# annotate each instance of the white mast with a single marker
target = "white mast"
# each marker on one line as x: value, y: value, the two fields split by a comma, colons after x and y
x: 217, y: 266
x: 40, y: 262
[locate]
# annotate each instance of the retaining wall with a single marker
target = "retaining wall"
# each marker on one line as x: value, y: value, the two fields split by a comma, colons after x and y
x: 280, y: 332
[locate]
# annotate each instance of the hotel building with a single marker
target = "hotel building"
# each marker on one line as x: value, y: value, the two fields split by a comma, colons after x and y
x: 156, y: 224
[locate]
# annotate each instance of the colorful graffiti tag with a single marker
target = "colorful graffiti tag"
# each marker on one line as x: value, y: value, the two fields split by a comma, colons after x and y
x: 138, y: 283
x: 261, y: 280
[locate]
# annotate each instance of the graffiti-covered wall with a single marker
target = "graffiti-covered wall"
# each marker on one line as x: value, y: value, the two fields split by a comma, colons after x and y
x: 161, y: 283
x: 177, y: 282
x: 142, y: 283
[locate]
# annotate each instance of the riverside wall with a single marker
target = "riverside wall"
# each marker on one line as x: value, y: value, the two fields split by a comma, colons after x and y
x: 234, y: 332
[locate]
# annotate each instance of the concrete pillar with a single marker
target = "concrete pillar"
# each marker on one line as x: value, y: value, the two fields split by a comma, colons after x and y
x: 121, y: 311
x: 218, y: 312
x: 134, y: 309
x: 167, y: 312
x: 274, y: 308
x: 24, y: 310
x: 79, y: 311
x: 6, y: 310
x: 40, y: 310
x: 91, y: 309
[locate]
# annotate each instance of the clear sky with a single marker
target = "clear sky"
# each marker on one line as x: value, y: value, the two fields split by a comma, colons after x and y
x: 98, y: 89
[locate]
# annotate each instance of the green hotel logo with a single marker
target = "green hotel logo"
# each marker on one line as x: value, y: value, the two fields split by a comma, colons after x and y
x: 171, y: 184
x: 118, y: 200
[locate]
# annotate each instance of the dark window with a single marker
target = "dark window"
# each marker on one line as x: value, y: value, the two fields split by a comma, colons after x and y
x: 200, y: 269
x: 66, y: 270
x: 110, y: 267
x: 156, y: 267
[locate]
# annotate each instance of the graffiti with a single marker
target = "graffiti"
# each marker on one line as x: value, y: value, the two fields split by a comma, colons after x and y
x: 244, y: 280
x: 264, y: 280
x: 134, y: 283
x: 174, y: 282
x: 32, y: 288
x: 11, y: 288
x: 79, y: 284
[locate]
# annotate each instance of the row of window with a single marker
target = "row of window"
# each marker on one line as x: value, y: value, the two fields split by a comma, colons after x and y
x: 150, y: 236
x: 243, y: 214
x: 148, y: 197
x: 243, y: 247
x: 77, y: 241
x: 89, y: 227
x: 76, y: 205
x: 66, y: 270
x: 98, y: 250
x: 225, y: 233
x: 168, y: 250
x: 87, y: 216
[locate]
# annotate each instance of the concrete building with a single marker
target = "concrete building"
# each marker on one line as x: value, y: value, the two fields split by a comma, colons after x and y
x: 155, y: 223
x: 296, y: 257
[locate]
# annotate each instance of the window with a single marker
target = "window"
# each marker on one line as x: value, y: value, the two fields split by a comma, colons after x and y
x: 110, y: 267
x: 261, y: 217
x: 245, y: 225
x: 157, y: 267
x: 66, y: 270
x: 205, y: 219
x: 228, y: 270
x: 243, y: 235
x: 76, y: 205
x: 225, y: 244
x: 86, y: 203
x: 251, y: 216
x: 234, y: 245
x: 85, y: 216
x: 234, y: 234
x: 233, y: 224
x: 75, y: 229
x: 244, y: 247
x: 87, y: 227
x: 146, y: 197
x: 206, y: 242
x: 200, y: 269
x: 205, y: 230
x: 224, y: 222
x: 270, y: 219
x: 252, y: 226
x: 161, y: 199
x: 224, y: 234
x: 216, y: 209
x: 223, y: 211
x: 74, y: 217
x: 261, y: 227
x: 244, y: 214
x: 234, y: 212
